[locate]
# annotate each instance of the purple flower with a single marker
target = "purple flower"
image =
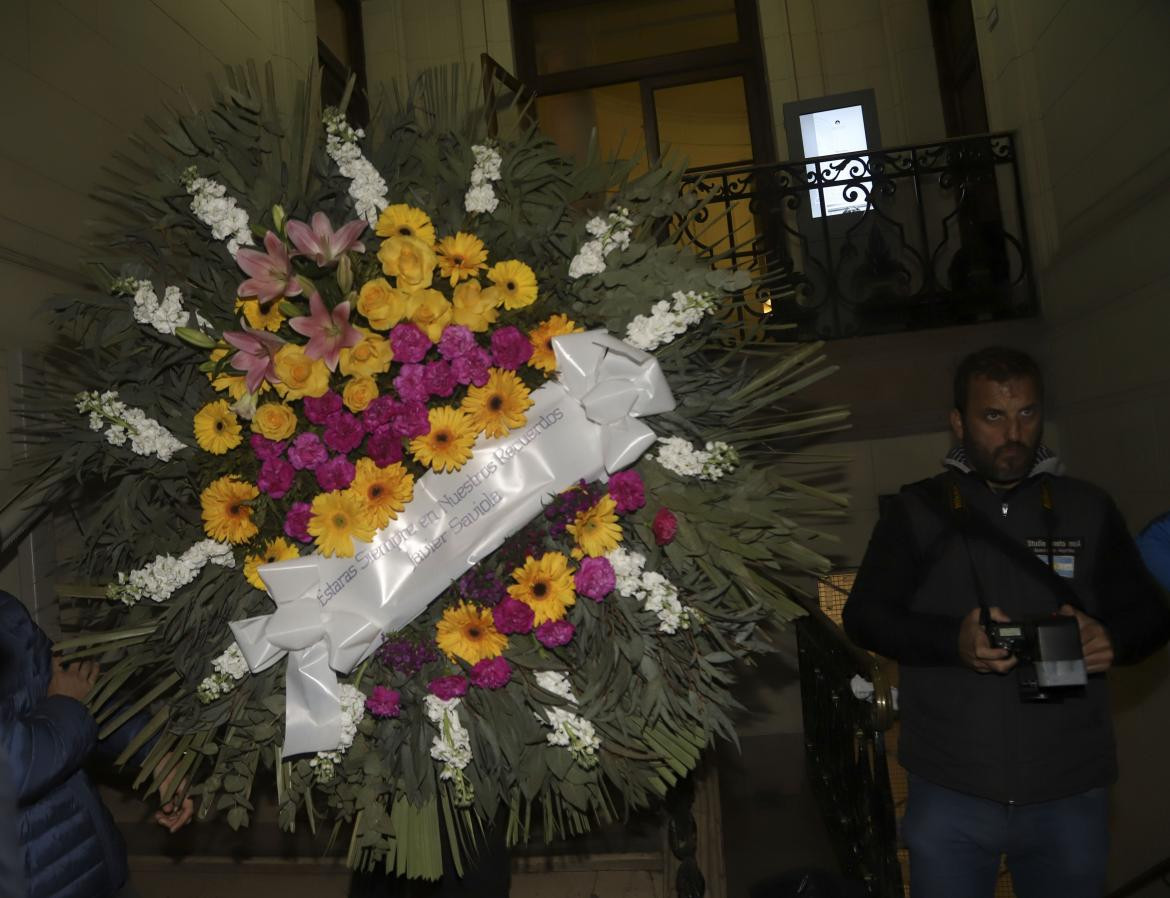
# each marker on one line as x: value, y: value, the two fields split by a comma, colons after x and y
x: 406, y: 656
x: 555, y: 632
x: 411, y: 383
x: 335, y: 474
x: 483, y: 587
x: 409, y: 343
x: 472, y: 368
x: 456, y: 341
x: 384, y: 446
x: 271, y: 272
x: 413, y: 420
x: 565, y: 507
x: 307, y: 451
x: 665, y: 526
x: 379, y: 413
x: 438, y: 378
x: 383, y: 702
x: 343, y: 432
x: 595, y: 578
x: 255, y: 355
x: 627, y: 491
x: 319, y: 409
x: 513, y: 616
x: 296, y: 522
x: 266, y: 448
x: 511, y: 347
x: 328, y: 331
x: 323, y: 244
x: 491, y: 673
x: 276, y: 477
x: 448, y: 687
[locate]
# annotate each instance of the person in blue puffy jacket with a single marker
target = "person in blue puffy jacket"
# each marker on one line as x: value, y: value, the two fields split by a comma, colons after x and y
x: 1154, y: 543
x: 71, y: 846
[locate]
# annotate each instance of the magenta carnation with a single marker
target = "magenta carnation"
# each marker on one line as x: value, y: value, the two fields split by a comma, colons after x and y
x: 411, y: 383
x: 595, y: 578
x: 409, y: 343
x: 307, y: 451
x: 384, y: 447
x: 438, y: 378
x: 296, y: 522
x: 335, y: 474
x: 513, y: 616
x: 491, y: 673
x: 266, y: 448
x: 511, y: 347
x: 276, y: 477
x: 627, y: 491
x: 555, y: 632
x: 343, y: 432
x: 319, y: 409
x: 472, y: 368
x: 413, y: 420
x: 665, y: 526
x: 457, y: 340
x: 379, y: 413
x: 453, y: 686
x: 383, y: 702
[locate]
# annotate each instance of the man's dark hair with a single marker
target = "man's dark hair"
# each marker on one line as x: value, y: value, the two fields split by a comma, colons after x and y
x: 998, y: 363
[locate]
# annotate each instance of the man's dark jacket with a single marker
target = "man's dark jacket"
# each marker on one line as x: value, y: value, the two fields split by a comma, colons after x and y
x: 71, y: 847
x: 969, y: 731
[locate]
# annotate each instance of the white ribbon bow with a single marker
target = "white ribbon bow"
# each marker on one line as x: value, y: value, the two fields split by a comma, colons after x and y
x: 331, y: 612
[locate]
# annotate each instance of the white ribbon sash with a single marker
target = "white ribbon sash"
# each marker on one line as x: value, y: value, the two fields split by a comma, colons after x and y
x: 331, y: 612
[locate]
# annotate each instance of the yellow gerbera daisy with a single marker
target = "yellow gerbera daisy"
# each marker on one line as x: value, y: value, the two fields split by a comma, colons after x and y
x: 279, y: 549
x: 596, y: 529
x: 401, y: 220
x: 382, y: 492
x: 543, y: 356
x: 337, y: 520
x: 469, y: 632
x: 461, y: 256
x: 471, y: 308
x: 217, y: 429
x: 499, y: 405
x: 545, y: 585
x: 268, y: 318
x: 513, y: 284
x: 448, y: 445
x: 227, y: 516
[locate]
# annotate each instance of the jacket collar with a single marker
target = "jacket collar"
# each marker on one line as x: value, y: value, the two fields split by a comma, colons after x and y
x: 1047, y: 462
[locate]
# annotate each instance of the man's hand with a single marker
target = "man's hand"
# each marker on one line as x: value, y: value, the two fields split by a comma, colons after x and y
x: 1095, y: 643
x: 975, y: 648
x: 174, y: 814
x: 73, y: 680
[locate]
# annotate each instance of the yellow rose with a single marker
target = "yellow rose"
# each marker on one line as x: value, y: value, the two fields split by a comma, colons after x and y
x: 383, y: 305
x: 430, y: 310
x: 275, y: 421
x: 300, y: 375
x: 471, y: 308
x: 371, y: 356
x: 359, y: 392
x: 410, y: 261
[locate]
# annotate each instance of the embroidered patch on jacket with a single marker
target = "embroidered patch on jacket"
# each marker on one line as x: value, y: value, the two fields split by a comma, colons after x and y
x: 1064, y: 554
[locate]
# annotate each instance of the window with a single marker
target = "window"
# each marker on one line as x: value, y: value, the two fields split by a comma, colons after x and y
x: 841, y: 125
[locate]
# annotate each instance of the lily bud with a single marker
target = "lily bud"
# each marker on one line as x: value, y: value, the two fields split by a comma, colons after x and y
x: 195, y: 338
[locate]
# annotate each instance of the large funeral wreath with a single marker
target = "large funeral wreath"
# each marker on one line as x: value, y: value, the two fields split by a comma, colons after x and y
x: 296, y: 329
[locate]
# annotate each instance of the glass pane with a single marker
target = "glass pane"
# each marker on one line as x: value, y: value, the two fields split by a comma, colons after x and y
x: 834, y: 132
x: 707, y: 122
x: 618, y: 30
x: 615, y: 111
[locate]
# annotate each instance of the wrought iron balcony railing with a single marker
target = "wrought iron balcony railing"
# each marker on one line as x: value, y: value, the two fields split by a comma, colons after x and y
x: 874, y: 242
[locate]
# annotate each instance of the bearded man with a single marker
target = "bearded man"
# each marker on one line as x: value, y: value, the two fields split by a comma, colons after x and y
x: 1002, y: 536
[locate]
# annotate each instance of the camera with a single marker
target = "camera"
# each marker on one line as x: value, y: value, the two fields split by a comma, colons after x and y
x: 1051, y: 663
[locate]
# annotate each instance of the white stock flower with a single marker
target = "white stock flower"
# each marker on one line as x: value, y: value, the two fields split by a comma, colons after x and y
x: 367, y: 188
x: 353, y: 709
x: 452, y: 746
x: 229, y: 668
x: 220, y: 212
x: 668, y: 320
x: 166, y: 574
x: 146, y: 436
x: 481, y: 196
x: 657, y: 594
x: 557, y: 683
x: 609, y: 233
x: 164, y: 316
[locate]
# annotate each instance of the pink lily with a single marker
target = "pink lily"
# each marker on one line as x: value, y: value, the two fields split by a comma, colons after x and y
x: 271, y: 272
x: 328, y: 332
x: 256, y: 355
x: 320, y: 242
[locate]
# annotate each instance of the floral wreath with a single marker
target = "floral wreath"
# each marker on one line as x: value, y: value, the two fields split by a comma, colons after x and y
x: 288, y: 337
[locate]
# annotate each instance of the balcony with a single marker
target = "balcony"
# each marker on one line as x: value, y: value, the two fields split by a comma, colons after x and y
x: 873, y: 242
